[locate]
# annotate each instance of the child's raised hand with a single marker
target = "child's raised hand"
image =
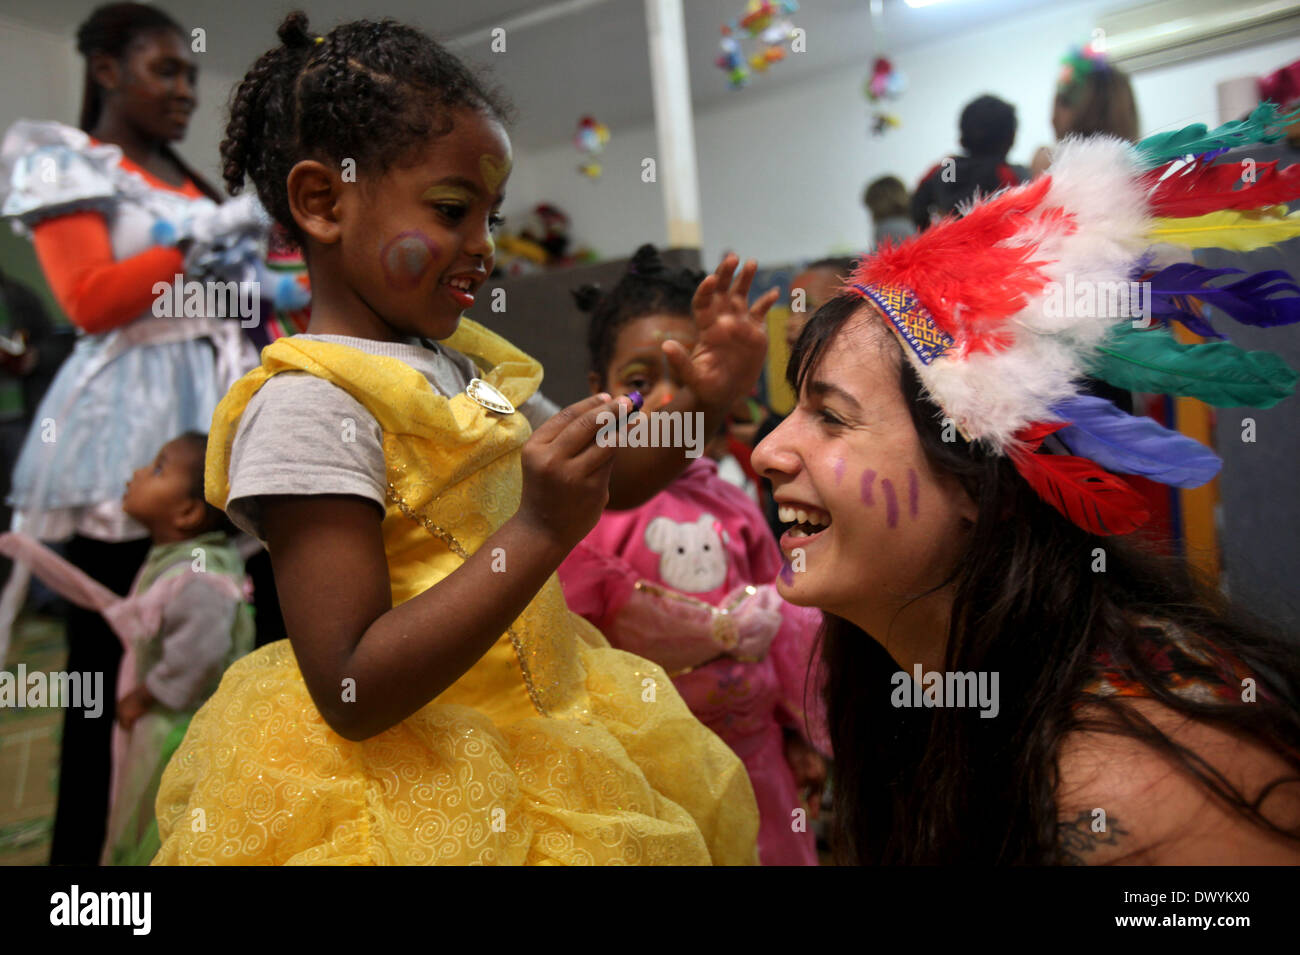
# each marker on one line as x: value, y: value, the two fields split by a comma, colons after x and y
x: 728, y: 356
x: 566, y: 472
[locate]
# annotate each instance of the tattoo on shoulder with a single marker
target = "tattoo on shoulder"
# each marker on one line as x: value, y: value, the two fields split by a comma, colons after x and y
x: 1087, y: 832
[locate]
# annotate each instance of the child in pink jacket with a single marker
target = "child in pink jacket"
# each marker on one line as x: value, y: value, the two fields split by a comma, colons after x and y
x: 686, y: 579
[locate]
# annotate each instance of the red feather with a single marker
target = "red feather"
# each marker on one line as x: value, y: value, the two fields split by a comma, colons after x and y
x: 961, y: 270
x: 1200, y: 187
x: 1031, y: 435
x: 1088, y: 496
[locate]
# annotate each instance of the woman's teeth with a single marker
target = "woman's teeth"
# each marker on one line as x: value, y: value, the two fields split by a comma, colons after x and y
x: 806, y: 522
x: 463, y: 284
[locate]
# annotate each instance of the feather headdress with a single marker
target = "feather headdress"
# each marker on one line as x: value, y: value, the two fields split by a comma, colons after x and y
x: 1004, y: 311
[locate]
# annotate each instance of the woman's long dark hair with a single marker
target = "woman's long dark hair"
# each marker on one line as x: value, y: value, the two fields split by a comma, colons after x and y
x: 111, y: 29
x: 944, y: 785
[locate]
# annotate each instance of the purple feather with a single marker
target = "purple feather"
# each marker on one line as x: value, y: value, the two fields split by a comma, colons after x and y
x: 1264, y: 299
x: 1127, y: 444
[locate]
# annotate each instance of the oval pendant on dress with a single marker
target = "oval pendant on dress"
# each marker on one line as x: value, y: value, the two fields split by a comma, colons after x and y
x: 488, y: 396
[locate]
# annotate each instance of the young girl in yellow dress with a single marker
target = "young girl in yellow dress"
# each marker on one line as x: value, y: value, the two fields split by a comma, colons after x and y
x: 436, y: 701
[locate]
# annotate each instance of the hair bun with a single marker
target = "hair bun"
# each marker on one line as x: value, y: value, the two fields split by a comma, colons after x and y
x: 587, y: 297
x: 293, y: 31
x: 646, y: 261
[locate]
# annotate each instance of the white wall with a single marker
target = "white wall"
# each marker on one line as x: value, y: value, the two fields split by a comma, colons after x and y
x: 782, y: 170
x: 41, y: 77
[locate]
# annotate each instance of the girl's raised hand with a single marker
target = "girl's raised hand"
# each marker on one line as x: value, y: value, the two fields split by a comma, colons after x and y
x: 728, y: 356
x: 566, y: 471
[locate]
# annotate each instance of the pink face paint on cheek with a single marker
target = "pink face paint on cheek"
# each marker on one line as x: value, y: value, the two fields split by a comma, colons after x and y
x: 868, y: 478
x: 406, y: 259
x: 891, y: 502
x: 839, y: 469
x: 913, y: 493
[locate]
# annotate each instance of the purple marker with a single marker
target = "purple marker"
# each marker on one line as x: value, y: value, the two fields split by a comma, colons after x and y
x: 891, y: 502
x: 637, y: 400
x: 867, y: 478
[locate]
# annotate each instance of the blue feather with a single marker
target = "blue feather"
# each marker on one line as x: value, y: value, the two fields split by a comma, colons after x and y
x: 1127, y: 444
x: 1264, y: 299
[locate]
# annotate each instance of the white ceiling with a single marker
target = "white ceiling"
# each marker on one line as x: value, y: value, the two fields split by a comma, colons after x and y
x: 592, y: 61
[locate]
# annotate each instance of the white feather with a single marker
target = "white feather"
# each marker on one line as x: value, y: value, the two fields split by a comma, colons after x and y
x: 992, y: 395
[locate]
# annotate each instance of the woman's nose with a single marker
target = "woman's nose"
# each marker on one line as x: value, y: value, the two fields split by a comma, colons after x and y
x: 775, y: 454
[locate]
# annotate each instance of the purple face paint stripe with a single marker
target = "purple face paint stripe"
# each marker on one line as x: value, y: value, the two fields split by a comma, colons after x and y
x: 839, y: 469
x: 867, y: 478
x: 787, y: 573
x: 891, y: 502
x: 913, y: 492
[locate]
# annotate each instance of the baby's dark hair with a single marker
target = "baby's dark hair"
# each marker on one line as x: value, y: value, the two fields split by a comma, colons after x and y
x: 368, y: 90
x: 648, y: 287
x: 214, y: 519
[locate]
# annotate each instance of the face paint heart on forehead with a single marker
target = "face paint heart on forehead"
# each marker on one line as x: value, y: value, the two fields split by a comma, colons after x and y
x: 494, y: 171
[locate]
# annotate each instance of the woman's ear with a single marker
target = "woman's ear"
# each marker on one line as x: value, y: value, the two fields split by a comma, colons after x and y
x: 106, y: 71
x: 314, y: 193
x: 967, y: 509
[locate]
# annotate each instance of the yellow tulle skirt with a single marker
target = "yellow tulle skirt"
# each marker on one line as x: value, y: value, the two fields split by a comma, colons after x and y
x: 261, y: 779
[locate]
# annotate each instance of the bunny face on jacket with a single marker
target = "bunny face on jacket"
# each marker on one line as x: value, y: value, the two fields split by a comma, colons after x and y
x: 693, y: 556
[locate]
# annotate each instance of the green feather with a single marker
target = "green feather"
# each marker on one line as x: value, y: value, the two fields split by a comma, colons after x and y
x: 1264, y: 125
x: 1218, y: 373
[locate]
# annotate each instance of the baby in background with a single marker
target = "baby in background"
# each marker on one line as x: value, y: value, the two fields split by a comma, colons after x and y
x: 190, y: 592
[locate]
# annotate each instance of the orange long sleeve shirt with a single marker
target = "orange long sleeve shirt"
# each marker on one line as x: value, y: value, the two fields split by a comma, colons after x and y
x: 98, y: 292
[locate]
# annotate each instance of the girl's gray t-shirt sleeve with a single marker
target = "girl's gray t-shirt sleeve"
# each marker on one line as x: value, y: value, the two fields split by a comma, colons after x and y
x: 302, y: 435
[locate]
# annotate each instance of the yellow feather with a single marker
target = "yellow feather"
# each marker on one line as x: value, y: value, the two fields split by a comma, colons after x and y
x: 1236, y: 229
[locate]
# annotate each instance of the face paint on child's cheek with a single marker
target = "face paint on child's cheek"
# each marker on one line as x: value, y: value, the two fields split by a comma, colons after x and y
x: 868, y: 478
x: 787, y: 572
x: 891, y: 502
x: 913, y: 493
x: 839, y: 469
x: 494, y: 171
x: 666, y: 399
x: 406, y: 258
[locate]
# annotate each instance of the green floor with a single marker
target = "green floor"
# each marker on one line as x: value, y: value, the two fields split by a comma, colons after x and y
x: 29, y: 750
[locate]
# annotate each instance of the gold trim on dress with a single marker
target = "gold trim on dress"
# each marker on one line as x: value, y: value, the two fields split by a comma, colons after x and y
x: 455, y: 547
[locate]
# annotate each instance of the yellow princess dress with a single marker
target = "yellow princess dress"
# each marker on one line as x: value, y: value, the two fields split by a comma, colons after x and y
x: 553, y: 749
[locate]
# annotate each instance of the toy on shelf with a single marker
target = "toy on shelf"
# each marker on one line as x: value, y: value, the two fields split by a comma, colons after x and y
x: 541, y: 243
x: 765, y: 22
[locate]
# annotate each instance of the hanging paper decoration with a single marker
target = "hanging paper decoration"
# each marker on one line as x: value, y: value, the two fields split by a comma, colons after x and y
x: 590, y: 140
x: 768, y: 25
x: 884, y: 83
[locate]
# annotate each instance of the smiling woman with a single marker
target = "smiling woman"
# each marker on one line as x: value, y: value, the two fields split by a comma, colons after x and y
x: 986, y: 578
x: 959, y: 514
